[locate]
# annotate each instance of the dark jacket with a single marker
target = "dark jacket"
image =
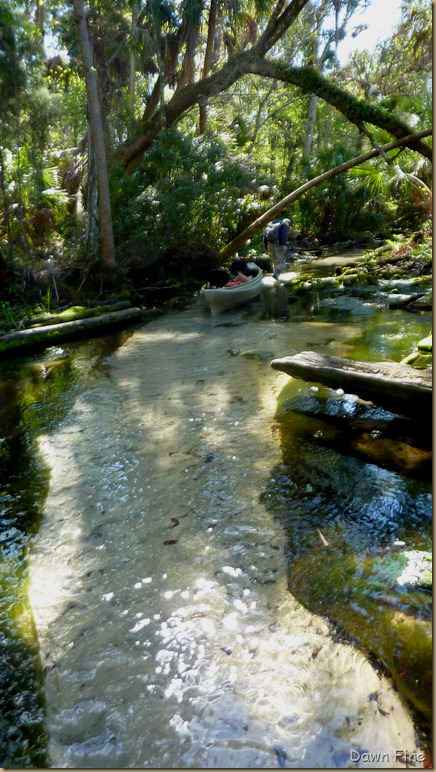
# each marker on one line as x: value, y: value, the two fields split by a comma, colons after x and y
x: 277, y: 233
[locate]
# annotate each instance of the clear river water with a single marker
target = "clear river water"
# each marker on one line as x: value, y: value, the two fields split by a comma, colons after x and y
x: 206, y: 563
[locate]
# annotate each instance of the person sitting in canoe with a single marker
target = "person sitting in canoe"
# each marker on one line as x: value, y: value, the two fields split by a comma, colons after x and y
x: 238, y: 273
x: 239, y: 279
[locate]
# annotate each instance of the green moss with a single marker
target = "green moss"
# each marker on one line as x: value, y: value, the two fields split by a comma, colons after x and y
x: 350, y: 278
x: 423, y: 361
x: 76, y: 313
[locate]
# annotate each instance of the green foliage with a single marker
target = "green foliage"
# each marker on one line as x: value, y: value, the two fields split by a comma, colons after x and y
x: 32, y: 202
x: 190, y: 196
x: 12, y: 75
x: 335, y: 210
x: 185, y: 201
x: 71, y: 93
x: 38, y: 204
x: 7, y: 316
x: 399, y: 189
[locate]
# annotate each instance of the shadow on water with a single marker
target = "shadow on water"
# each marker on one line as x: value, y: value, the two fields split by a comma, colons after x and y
x: 35, y: 393
x: 357, y: 506
x: 359, y: 553
x: 357, y: 511
x: 354, y: 497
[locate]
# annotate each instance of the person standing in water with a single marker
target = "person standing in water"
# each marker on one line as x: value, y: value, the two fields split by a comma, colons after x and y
x: 275, y: 241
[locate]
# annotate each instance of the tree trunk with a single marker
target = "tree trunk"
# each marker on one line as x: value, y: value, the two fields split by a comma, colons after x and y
x: 187, y: 71
x: 232, y: 71
x: 132, y: 63
x: 311, y: 118
x: 6, y: 208
x: 40, y: 16
x: 208, y: 57
x: 107, y: 246
x: 92, y: 234
x: 265, y: 218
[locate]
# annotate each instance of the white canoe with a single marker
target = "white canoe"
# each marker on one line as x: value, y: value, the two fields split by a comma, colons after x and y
x: 218, y: 300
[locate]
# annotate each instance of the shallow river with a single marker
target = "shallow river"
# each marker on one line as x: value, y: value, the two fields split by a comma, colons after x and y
x: 180, y: 578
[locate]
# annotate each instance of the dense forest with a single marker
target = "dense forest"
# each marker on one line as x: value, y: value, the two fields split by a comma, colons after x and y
x: 139, y: 139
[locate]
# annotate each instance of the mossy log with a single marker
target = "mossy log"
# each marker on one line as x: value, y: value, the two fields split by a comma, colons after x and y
x: 396, y: 387
x: 74, y: 313
x: 51, y: 334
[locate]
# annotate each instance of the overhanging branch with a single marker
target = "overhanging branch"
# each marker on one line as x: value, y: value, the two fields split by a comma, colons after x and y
x: 306, y: 78
x: 356, y: 110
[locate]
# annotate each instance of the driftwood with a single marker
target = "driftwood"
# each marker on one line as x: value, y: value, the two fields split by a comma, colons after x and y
x: 396, y: 387
x: 50, y: 334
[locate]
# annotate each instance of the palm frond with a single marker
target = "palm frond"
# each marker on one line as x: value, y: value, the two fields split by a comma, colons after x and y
x: 369, y: 176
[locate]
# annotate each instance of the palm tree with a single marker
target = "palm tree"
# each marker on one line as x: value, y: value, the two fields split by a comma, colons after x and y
x: 405, y: 184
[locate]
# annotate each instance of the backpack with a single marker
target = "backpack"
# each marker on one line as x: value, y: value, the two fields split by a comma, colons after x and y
x: 272, y: 232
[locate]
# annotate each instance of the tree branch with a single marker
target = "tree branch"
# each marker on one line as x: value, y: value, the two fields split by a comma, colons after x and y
x: 374, y: 143
x: 277, y: 25
x: 356, y: 110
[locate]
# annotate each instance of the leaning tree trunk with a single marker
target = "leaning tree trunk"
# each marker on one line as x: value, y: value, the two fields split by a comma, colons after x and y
x: 106, y: 237
x: 256, y: 226
x: 253, y: 61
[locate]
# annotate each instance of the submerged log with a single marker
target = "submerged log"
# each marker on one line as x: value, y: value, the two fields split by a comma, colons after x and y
x: 50, y: 334
x: 399, y: 388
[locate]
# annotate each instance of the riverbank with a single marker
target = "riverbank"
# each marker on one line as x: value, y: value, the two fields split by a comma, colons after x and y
x: 159, y: 579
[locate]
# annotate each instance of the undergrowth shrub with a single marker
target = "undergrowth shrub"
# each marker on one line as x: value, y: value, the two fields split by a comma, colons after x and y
x: 187, y: 199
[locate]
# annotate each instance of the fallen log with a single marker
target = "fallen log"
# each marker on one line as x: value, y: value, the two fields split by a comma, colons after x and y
x: 74, y: 313
x: 51, y: 334
x: 399, y: 388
